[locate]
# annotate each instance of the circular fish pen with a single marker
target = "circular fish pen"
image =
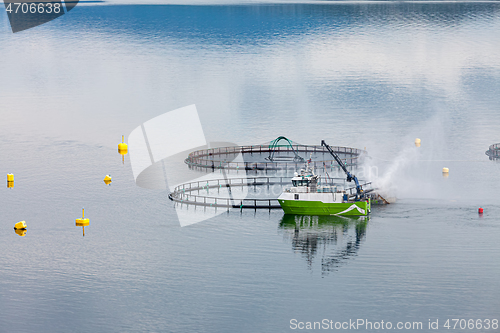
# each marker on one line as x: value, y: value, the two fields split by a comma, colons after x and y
x: 191, y: 193
x: 494, y: 151
x: 272, y: 157
x: 265, y: 169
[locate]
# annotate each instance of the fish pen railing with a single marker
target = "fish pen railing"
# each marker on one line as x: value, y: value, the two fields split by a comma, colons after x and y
x: 183, y: 193
x: 205, y: 158
x: 230, y: 182
x: 199, y: 200
x: 243, y: 181
x: 494, y: 151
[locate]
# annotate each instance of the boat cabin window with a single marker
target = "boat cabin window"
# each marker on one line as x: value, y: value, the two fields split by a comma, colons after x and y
x: 300, y: 182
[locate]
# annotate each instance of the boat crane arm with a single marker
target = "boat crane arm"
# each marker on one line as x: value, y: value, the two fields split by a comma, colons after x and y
x: 350, y: 177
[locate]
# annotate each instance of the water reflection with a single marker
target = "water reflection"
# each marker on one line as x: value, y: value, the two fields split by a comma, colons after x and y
x: 336, y: 238
x: 20, y: 232
x: 83, y: 225
x: 260, y: 25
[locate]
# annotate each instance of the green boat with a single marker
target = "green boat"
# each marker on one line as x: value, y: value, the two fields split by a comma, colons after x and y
x: 308, y: 197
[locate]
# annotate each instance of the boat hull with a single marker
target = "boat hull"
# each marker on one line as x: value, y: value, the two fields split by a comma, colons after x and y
x: 303, y: 207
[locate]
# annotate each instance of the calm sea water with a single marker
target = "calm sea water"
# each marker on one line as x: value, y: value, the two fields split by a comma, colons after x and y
x: 374, y: 75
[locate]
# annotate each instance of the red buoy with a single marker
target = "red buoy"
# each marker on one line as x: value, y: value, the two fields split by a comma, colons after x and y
x: 480, y: 210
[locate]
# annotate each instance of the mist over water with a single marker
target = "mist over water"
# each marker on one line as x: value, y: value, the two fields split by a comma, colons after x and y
x: 411, y: 173
x: 374, y: 75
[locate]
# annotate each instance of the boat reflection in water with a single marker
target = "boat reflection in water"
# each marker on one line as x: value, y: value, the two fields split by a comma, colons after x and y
x: 336, y: 238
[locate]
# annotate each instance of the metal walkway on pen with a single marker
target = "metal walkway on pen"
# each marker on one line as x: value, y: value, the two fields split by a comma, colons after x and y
x: 272, y: 156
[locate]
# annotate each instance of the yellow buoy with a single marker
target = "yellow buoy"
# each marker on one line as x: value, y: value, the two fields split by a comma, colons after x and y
x: 107, y: 180
x: 10, y: 180
x: 83, y: 222
x: 21, y: 225
x: 417, y: 142
x: 20, y: 232
x: 123, y: 148
x: 446, y: 170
